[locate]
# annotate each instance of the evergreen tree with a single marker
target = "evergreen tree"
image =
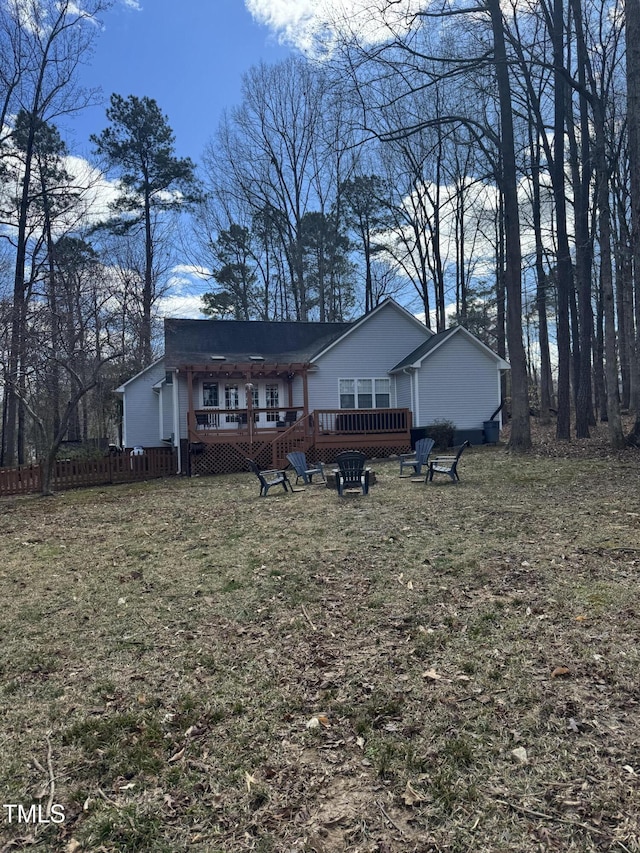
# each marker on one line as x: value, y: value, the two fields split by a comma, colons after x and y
x: 140, y: 145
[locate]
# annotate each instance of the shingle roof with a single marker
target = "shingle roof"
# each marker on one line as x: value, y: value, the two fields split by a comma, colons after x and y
x: 437, y: 340
x: 195, y: 341
x: 424, y: 348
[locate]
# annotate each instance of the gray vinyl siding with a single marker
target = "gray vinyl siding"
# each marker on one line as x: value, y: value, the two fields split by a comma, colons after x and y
x: 370, y: 351
x: 183, y: 402
x: 166, y: 403
x: 403, y: 390
x: 458, y: 382
x: 141, y: 409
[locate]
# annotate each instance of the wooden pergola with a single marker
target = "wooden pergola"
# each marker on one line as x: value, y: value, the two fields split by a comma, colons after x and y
x: 246, y: 371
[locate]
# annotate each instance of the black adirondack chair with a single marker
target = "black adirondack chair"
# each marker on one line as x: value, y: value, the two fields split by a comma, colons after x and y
x: 446, y: 465
x: 269, y: 478
x: 351, y: 472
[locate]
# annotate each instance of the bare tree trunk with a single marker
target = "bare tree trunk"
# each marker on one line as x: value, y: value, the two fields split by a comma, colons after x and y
x: 520, y: 426
x: 582, y: 171
x: 616, y: 437
x: 563, y: 265
x: 541, y: 289
x: 632, y: 38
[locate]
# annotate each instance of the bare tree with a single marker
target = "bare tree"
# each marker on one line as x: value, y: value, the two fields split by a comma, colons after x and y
x: 48, y: 39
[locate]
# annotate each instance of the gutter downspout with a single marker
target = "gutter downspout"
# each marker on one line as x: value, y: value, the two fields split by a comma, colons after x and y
x: 176, y: 422
x: 412, y: 373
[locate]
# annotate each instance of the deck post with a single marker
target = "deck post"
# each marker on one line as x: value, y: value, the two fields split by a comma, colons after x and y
x: 249, y: 403
x: 190, y: 416
x: 305, y: 396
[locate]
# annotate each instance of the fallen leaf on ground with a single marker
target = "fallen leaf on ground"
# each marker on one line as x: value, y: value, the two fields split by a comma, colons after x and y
x: 520, y: 755
x: 411, y: 796
x: 318, y: 720
x: 177, y: 756
x: 431, y: 675
x: 560, y: 672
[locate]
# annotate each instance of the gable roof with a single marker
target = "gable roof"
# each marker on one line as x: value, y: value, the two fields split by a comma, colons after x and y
x: 366, y: 317
x: 415, y: 358
x: 196, y: 341
x: 121, y: 388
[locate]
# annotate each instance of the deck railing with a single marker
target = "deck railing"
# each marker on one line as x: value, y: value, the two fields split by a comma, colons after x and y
x: 224, y: 422
x: 361, y: 421
x: 322, y: 428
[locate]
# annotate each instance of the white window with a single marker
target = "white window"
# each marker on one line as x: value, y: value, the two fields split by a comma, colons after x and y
x: 383, y: 394
x: 347, y: 393
x: 210, y: 394
x: 272, y: 394
x: 365, y: 393
x: 231, y: 401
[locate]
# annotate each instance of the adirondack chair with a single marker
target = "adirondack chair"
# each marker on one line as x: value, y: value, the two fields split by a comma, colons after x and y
x: 419, y: 457
x: 305, y: 473
x: 269, y: 478
x: 351, y: 472
x: 446, y: 465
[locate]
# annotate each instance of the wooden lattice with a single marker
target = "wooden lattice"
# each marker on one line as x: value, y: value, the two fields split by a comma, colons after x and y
x: 328, y: 455
x: 230, y: 458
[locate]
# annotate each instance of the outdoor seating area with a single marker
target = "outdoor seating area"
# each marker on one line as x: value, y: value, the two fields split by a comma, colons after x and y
x: 234, y: 609
x: 351, y: 471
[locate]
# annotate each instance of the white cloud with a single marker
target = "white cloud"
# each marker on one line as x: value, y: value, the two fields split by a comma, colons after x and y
x: 192, y: 270
x: 184, y: 307
x: 300, y: 23
x: 132, y: 4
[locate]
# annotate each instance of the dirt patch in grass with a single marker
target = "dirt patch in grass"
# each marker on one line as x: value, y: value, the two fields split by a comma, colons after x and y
x: 433, y: 667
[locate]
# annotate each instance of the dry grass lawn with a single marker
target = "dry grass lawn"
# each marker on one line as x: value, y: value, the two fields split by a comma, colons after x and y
x: 188, y: 667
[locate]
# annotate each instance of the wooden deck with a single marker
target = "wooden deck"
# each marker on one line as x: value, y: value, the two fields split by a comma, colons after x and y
x: 220, y: 440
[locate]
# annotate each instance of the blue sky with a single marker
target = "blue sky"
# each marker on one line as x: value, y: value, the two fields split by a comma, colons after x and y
x: 189, y: 57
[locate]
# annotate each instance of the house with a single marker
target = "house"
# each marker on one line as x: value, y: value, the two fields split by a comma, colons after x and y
x: 228, y: 389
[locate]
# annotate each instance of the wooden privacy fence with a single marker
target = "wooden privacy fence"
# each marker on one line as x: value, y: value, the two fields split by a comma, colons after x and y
x: 73, y: 474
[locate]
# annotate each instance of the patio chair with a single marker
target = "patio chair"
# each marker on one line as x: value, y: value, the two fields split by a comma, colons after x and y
x: 289, y: 419
x: 419, y: 457
x: 351, y: 472
x: 269, y: 478
x: 298, y: 461
x: 446, y: 465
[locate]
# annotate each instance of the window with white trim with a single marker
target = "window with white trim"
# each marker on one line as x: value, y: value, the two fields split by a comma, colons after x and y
x: 231, y: 401
x: 272, y: 395
x: 210, y: 394
x: 383, y: 393
x: 363, y: 393
x: 347, y: 393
